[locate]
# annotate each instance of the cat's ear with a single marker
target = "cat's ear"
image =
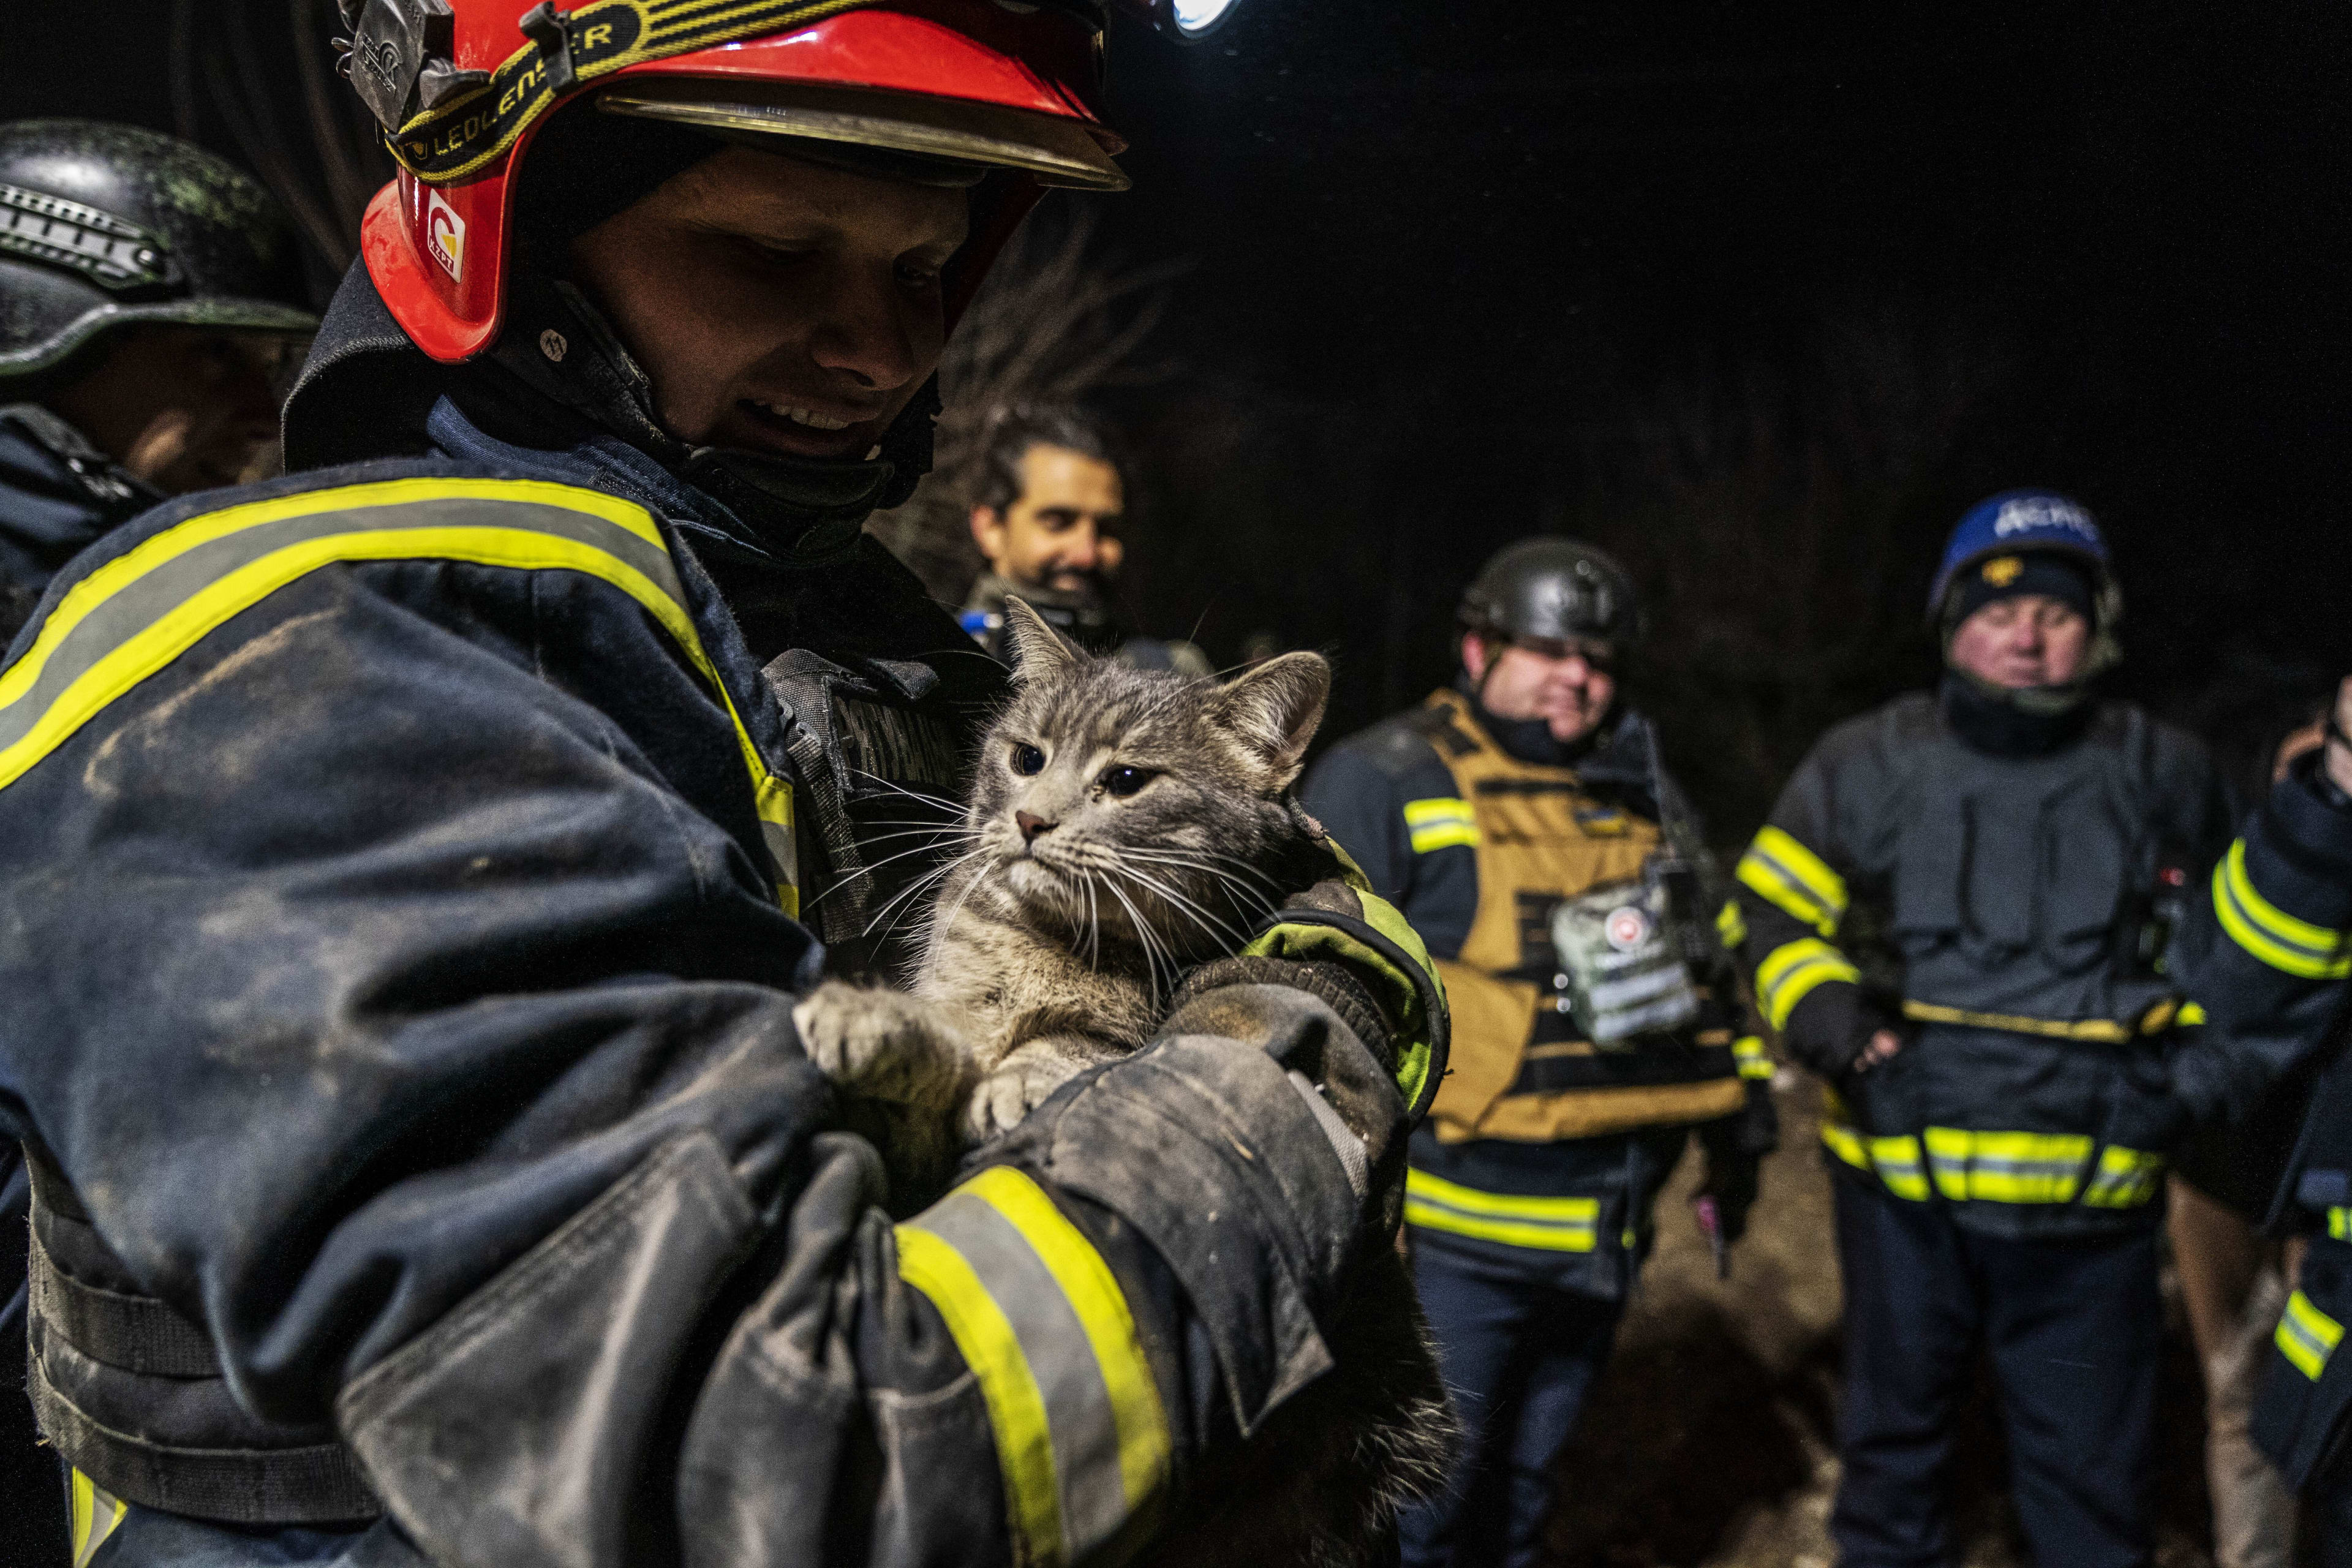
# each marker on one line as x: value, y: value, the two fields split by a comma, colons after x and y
x: 1038, y: 650
x: 1272, y: 709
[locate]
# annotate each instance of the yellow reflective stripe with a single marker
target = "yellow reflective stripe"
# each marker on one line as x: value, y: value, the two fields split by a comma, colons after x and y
x: 1790, y: 972
x: 1082, y: 1438
x: 135, y: 655
x: 1895, y: 1161
x: 1439, y: 823
x: 1729, y: 924
x: 1899, y: 1165
x: 1092, y: 1290
x: 2293, y: 946
x: 2189, y: 1016
x: 2105, y: 1029
x: 2307, y: 1336
x: 2006, y: 1167
x: 1748, y: 1050
x: 1784, y: 873
x: 96, y: 1513
x: 2124, y: 1178
x: 1845, y: 1144
x: 1016, y: 1410
x: 1547, y: 1224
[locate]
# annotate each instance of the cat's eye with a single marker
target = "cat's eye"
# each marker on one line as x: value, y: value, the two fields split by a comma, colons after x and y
x: 1028, y: 760
x: 1123, y: 781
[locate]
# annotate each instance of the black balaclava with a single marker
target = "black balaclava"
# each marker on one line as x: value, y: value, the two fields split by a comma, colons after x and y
x: 1530, y: 740
x: 2008, y: 721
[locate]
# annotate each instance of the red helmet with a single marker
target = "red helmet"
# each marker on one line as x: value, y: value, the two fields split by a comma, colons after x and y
x: 464, y: 85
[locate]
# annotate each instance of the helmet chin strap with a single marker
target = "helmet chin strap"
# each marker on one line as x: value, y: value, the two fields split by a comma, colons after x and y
x: 807, y: 512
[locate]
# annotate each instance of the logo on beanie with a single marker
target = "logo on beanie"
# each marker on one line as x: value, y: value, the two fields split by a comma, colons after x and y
x: 2003, y: 570
x: 2036, y: 514
x: 444, y: 235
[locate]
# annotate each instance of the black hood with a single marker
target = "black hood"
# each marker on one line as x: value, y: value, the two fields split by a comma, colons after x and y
x: 557, y: 375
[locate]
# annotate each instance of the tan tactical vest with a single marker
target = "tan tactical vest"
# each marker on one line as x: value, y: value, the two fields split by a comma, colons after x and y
x: 1540, y: 838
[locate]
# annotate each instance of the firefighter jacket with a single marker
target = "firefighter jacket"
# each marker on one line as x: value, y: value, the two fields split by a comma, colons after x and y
x: 1543, y: 1153
x: 398, y: 869
x: 58, y: 493
x: 2267, y: 953
x: 2007, y: 913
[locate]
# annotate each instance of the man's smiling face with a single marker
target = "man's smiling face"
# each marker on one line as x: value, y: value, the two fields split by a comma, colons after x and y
x: 776, y: 305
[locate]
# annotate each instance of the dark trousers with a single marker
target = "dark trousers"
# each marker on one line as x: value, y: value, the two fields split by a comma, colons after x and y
x: 2072, y: 1330
x: 1518, y: 1356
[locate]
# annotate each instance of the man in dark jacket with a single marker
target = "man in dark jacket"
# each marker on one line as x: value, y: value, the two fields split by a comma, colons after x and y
x: 2268, y: 956
x: 149, y: 294
x: 409, y: 869
x: 1046, y: 515
x: 147, y: 291
x: 1521, y: 820
x: 1958, y: 915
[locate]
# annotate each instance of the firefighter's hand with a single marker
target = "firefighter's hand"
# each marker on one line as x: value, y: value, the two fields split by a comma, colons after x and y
x: 1882, y: 1045
x: 2338, y: 748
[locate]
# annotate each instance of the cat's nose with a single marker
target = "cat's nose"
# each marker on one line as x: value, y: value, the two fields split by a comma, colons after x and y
x: 1031, y: 825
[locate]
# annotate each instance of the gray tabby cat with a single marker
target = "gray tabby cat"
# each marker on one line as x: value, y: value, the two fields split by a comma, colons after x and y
x: 1123, y: 826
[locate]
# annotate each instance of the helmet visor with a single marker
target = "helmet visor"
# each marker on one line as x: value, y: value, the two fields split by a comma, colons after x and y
x: 930, y: 140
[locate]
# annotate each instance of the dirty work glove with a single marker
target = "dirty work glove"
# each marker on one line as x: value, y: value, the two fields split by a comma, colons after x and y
x: 1830, y: 1029
x: 1342, y: 923
x: 1256, y: 1146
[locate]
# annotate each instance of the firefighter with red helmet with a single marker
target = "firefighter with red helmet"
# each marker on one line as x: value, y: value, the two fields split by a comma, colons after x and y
x: 409, y: 867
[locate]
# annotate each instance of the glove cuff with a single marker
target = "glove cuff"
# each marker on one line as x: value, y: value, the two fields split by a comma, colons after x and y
x: 1332, y: 983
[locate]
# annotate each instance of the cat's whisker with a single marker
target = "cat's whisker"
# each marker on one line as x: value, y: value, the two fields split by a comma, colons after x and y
x: 1183, y: 906
x: 1199, y: 860
x: 1143, y: 935
x: 904, y: 900
x: 896, y: 788
x: 875, y: 865
x: 1246, y: 895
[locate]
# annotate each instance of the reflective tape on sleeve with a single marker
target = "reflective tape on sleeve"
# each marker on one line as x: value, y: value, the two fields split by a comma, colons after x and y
x: 1895, y: 1161
x: 1790, y: 972
x: 2124, y: 1178
x: 1081, y: 1437
x: 1748, y: 1052
x: 2307, y: 1336
x: 97, y: 1514
x: 1439, y: 823
x: 131, y: 617
x: 1730, y: 925
x: 1791, y: 877
x: 1542, y: 1225
x: 2290, y: 946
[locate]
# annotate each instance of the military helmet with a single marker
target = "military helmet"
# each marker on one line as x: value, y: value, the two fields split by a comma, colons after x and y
x: 107, y: 226
x: 1555, y: 590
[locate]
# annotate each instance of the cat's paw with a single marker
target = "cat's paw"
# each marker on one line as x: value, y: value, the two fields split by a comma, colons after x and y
x: 1021, y: 1083
x: 885, y: 1044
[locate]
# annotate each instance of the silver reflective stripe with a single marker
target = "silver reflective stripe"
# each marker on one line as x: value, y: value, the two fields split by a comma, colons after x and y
x: 140, y: 603
x: 1079, y: 1420
x: 1614, y: 993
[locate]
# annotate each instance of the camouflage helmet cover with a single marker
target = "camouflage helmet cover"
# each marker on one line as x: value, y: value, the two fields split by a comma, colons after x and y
x: 107, y: 226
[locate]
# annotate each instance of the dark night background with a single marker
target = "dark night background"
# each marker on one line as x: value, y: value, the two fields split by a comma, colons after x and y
x: 1759, y: 297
